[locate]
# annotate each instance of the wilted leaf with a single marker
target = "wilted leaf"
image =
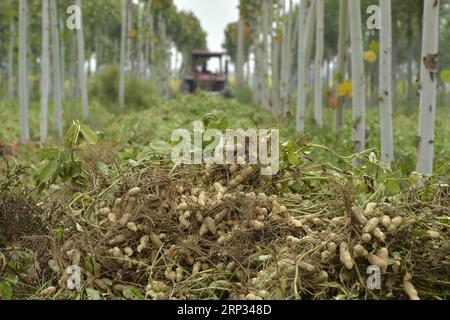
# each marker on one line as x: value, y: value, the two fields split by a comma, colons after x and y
x: 370, y: 56
x: 79, y: 228
x: 71, y: 138
x: 345, y: 89
x: 265, y: 257
x: 88, y: 134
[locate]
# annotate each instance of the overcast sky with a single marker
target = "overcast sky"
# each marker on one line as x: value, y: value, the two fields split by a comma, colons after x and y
x: 214, y: 15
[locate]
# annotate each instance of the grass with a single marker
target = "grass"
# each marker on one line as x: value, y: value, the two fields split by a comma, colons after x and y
x: 136, y: 129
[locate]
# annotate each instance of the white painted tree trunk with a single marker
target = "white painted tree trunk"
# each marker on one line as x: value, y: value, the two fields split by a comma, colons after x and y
x: 248, y: 71
x: 293, y: 77
x: 45, y: 71
x: 257, y: 81
x: 311, y: 30
x: 81, y: 69
x: 358, y: 77
x: 428, y: 85
x: 275, y: 61
x: 73, y: 70
x: 342, y: 61
x: 123, y: 49
x: 129, y: 54
x: 286, y: 71
x: 151, y: 31
x: 164, y: 57
x: 11, y: 49
x: 386, y: 127
x: 318, y: 98
x: 56, y: 68
x: 23, y: 71
x: 146, y: 38
x: 141, y: 43
x: 305, y: 16
x: 63, y: 59
x: 265, y: 93
x: 240, y: 54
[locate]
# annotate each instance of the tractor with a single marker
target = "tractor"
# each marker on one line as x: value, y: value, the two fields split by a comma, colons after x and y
x: 200, y: 76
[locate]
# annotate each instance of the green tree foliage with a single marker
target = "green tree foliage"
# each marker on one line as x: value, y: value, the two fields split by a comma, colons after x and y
x: 230, y: 44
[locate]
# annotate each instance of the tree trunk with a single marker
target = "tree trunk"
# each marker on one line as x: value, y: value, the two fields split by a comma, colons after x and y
x: 311, y: 30
x: 141, y: 61
x: 11, y: 49
x: 386, y: 128
x: 342, y: 61
x: 286, y: 62
x: 409, y: 37
x: 395, y: 56
x: 358, y: 77
x: 45, y: 71
x: 164, y: 60
x: 257, y: 78
x: 428, y: 85
x: 63, y: 60
x: 275, y: 63
x: 123, y: 49
x: 151, y: 31
x: 81, y: 69
x: 148, y: 26
x: 56, y: 68
x: 23, y: 71
x: 129, y: 54
x: 73, y: 70
x: 240, y: 52
x: 318, y: 99
x: 305, y: 16
x: 265, y: 94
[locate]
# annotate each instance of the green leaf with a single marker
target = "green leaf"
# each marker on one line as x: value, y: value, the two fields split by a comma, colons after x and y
x: 13, y: 279
x: 102, y: 167
x: 48, y: 153
x: 59, y: 234
x: 92, y: 294
x: 338, y: 77
x: 445, y: 76
x: 49, y: 173
x: 88, y: 134
x: 133, y: 294
x: 375, y: 46
x: 6, y: 290
x: 392, y: 187
x: 293, y: 157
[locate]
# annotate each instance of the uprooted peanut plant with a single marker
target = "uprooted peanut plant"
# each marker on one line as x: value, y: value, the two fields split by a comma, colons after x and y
x: 225, y: 232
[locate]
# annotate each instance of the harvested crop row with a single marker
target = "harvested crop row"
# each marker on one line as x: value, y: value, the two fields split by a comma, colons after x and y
x: 227, y: 234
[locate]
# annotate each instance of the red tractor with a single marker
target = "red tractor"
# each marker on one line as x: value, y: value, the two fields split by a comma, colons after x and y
x: 202, y: 77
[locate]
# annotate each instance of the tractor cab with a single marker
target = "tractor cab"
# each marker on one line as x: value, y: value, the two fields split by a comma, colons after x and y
x: 208, y: 72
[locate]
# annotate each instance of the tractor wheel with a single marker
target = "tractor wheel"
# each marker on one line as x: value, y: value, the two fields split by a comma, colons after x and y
x: 186, y: 87
x: 228, y: 93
